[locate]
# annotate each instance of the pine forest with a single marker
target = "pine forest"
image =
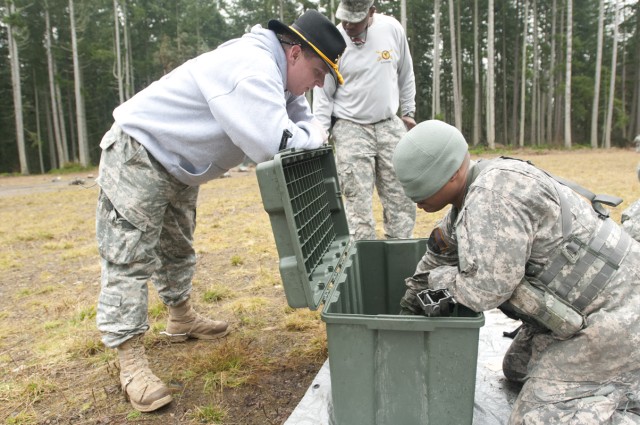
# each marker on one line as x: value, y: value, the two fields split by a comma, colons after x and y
x: 508, y: 73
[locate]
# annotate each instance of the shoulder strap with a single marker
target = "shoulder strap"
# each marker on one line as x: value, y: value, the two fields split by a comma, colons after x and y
x: 596, y: 200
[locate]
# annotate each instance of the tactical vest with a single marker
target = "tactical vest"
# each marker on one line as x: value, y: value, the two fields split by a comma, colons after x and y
x: 541, y: 298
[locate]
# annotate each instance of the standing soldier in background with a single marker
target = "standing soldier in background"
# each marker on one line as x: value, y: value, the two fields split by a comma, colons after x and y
x: 245, y: 98
x: 379, y: 79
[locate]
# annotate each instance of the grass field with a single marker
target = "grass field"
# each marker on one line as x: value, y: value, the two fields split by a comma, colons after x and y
x: 54, y: 368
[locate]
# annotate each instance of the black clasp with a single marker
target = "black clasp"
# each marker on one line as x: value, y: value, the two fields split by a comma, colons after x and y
x: 286, y: 134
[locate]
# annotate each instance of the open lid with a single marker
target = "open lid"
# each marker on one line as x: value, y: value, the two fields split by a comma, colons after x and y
x: 301, y: 193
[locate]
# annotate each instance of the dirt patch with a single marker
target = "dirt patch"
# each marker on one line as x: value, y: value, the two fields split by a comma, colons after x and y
x: 25, y: 185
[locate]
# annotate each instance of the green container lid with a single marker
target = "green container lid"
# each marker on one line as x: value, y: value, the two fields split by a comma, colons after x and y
x: 301, y: 193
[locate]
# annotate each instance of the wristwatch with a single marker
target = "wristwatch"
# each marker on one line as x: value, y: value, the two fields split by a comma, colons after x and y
x: 410, y: 114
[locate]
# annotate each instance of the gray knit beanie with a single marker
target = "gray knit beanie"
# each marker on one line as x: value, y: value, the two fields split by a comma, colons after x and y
x: 427, y: 156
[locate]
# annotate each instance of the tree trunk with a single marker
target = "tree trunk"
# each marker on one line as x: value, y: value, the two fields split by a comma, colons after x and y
x: 36, y: 107
x: 513, y: 130
x: 567, y: 87
x: 435, y: 96
x: 533, y: 134
x: 523, y: 93
x: 551, y: 91
x: 118, y: 70
x: 457, y: 108
x: 559, y: 111
x: 476, y: 78
x: 634, y: 114
x: 81, y: 121
x: 53, y: 163
x: 623, y: 77
x: 62, y: 159
x: 403, y: 14
x: 459, y: 49
x: 128, y: 65
x: 491, y: 105
x: 503, y: 137
x: 17, y: 90
x: 612, y: 83
x: 63, y: 126
x: 596, y: 85
x: 72, y: 131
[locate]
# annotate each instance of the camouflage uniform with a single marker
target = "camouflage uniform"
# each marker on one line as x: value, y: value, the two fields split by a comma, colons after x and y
x: 144, y: 225
x: 363, y: 155
x: 631, y: 216
x: 636, y: 141
x: 631, y: 220
x: 509, y: 225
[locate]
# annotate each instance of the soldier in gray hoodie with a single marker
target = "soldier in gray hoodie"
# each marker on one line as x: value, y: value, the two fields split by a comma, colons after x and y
x: 244, y: 98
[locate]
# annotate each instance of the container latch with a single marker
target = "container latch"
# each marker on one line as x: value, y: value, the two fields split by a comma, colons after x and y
x: 437, y: 302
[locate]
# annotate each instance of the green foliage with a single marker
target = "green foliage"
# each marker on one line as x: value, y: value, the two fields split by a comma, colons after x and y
x: 165, y: 33
x: 134, y: 415
x: 216, y: 293
x: 581, y: 100
x: 209, y: 414
x: 22, y: 418
x: 87, y: 313
x: 36, y: 388
x: 157, y: 310
x: 86, y: 348
x: 69, y: 168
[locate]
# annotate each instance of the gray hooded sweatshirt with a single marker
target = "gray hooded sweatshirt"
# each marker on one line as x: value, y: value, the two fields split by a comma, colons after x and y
x: 202, y: 118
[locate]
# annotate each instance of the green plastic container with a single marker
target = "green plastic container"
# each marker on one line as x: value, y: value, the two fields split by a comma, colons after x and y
x: 386, y: 369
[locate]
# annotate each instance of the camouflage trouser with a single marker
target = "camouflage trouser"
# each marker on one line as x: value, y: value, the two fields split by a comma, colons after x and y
x: 516, y: 359
x: 145, y: 221
x: 631, y: 220
x: 550, y: 402
x: 364, y: 155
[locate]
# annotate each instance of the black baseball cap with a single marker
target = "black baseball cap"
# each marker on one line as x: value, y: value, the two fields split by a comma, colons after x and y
x: 318, y: 32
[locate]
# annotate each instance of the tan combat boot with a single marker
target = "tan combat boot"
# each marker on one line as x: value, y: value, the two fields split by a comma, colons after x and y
x: 143, y: 389
x: 185, y: 323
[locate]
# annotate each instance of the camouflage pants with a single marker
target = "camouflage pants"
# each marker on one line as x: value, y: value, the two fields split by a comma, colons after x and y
x: 364, y: 155
x: 145, y: 221
x: 550, y: 402
x: 516, y: 359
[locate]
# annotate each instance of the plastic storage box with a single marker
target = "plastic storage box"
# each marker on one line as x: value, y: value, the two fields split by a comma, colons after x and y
x: 385, y: 369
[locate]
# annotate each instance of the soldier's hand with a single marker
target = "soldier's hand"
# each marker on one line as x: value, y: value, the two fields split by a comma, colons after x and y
x: 409, y: 304
x: 406, y: 312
